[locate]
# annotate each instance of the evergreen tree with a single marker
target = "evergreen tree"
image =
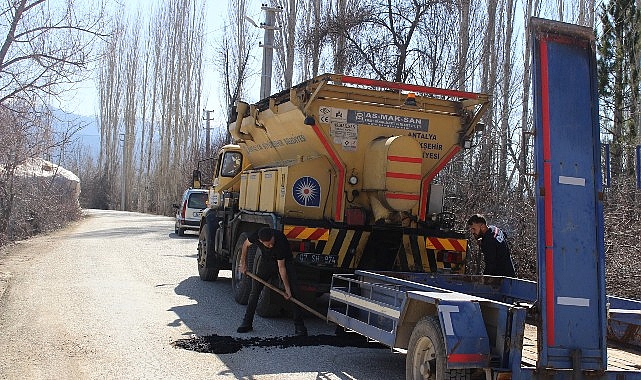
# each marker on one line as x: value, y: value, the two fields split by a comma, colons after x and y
x: 618, y: 81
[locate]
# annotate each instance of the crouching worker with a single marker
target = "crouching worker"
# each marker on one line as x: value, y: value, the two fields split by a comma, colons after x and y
x: 276, y: 259
x: 493, y: 244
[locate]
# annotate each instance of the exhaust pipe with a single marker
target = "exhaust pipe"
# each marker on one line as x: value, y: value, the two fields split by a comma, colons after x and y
x: 234, y: 126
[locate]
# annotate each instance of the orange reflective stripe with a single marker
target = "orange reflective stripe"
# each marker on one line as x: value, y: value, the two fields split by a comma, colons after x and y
x: 402, y: 175
x: 443, y: 244
x: 409, y: 197
x: 467, y: 358
x: 413, y: 160
x: 293, y: 231
x: 306, y: 233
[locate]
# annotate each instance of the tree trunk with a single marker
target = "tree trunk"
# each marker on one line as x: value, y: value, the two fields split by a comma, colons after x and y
x: 526, y: 134
x: 464, y: 38
x: 506, y: 140
x: 340, y: 44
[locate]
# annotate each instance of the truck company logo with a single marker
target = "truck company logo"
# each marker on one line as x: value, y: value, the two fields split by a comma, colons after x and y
x: 306, y: 192
x: 388, y: 121
x: 277, y: 143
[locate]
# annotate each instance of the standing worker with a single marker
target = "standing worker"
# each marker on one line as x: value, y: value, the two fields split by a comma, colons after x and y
x: 492, y: 242
x: 276, y: 258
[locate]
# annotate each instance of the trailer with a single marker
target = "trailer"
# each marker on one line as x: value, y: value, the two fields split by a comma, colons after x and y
x: 456, y: 326
x: 453, y: 326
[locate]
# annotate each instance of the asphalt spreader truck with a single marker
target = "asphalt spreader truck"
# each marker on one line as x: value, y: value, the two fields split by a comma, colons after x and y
x: 344, y: 166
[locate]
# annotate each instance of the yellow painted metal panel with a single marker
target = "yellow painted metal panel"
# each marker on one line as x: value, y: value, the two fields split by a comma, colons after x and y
x: 281, y: 190
x: 268, y: 190
x: 253, y: 190
x: 243, y: 191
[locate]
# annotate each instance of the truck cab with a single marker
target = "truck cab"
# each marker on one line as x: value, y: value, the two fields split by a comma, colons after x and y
x: 228, y: 166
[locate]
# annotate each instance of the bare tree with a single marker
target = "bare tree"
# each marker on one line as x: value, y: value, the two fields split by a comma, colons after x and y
x: 286, y: 40
x: 532, y: 8
x: 234, y: 58
x: 44, y: 49
x: 110, y: 89
x: 313, y: 40
x: 314, y: 50
x: 381, y: 37
x: 339, y: 40
x: 464, y: 42
x: 506, y: 90
x: 161, y: 117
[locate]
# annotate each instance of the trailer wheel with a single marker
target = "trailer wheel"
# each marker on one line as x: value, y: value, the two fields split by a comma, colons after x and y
x: 426, y: 356
x: 241, y: 284
x: 270, y: 304
x: 208, y: 265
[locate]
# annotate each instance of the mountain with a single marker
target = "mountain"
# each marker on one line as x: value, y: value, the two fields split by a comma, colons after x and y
x: 85, y: 132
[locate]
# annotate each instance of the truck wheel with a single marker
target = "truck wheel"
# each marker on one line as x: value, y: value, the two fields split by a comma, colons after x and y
x: 426, y: 356
x: 208, y: 265
x: 270, y: 304
x: 241, y: 284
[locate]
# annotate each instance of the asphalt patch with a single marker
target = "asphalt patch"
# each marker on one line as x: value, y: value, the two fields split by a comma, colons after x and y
x: 218, y: 344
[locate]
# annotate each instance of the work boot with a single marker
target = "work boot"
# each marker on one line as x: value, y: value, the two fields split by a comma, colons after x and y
x: 300, y: 331
x: 245, y: 328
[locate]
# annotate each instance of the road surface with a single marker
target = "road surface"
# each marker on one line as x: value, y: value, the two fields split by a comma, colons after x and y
x: 108, y: 297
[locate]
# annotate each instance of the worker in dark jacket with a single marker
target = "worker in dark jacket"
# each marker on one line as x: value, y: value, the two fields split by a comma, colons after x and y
x: 276, y: 259
x: 492, y: 242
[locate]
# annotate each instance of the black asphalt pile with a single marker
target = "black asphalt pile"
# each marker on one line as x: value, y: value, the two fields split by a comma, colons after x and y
x: 218, y: 344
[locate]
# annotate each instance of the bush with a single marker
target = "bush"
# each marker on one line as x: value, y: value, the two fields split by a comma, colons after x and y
x: 38, y: 198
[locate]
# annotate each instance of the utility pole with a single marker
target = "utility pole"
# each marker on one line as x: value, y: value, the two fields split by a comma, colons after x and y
x: 207, y: 119
x: 123, y: 179
x: 268, y: 49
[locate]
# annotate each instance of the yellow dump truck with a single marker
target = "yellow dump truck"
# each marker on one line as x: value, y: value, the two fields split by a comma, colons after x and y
x: 344, y: 167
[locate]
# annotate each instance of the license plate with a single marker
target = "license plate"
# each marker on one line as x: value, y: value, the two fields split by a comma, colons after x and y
x: 198, y: 214
x: 317, y: 258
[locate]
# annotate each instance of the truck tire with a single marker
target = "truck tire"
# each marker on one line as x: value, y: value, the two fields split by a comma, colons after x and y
x: 426, y: 355
x: 270, y: 304
x: 208, y: 265
x: 241, y: 284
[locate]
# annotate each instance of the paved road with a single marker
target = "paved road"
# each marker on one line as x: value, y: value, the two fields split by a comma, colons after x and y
x: 105, y: 299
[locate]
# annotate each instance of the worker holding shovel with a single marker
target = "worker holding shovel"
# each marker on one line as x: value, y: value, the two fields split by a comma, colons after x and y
x: 276, y: 258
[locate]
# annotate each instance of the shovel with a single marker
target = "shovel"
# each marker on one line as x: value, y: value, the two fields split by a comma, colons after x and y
x: 294, y: 300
